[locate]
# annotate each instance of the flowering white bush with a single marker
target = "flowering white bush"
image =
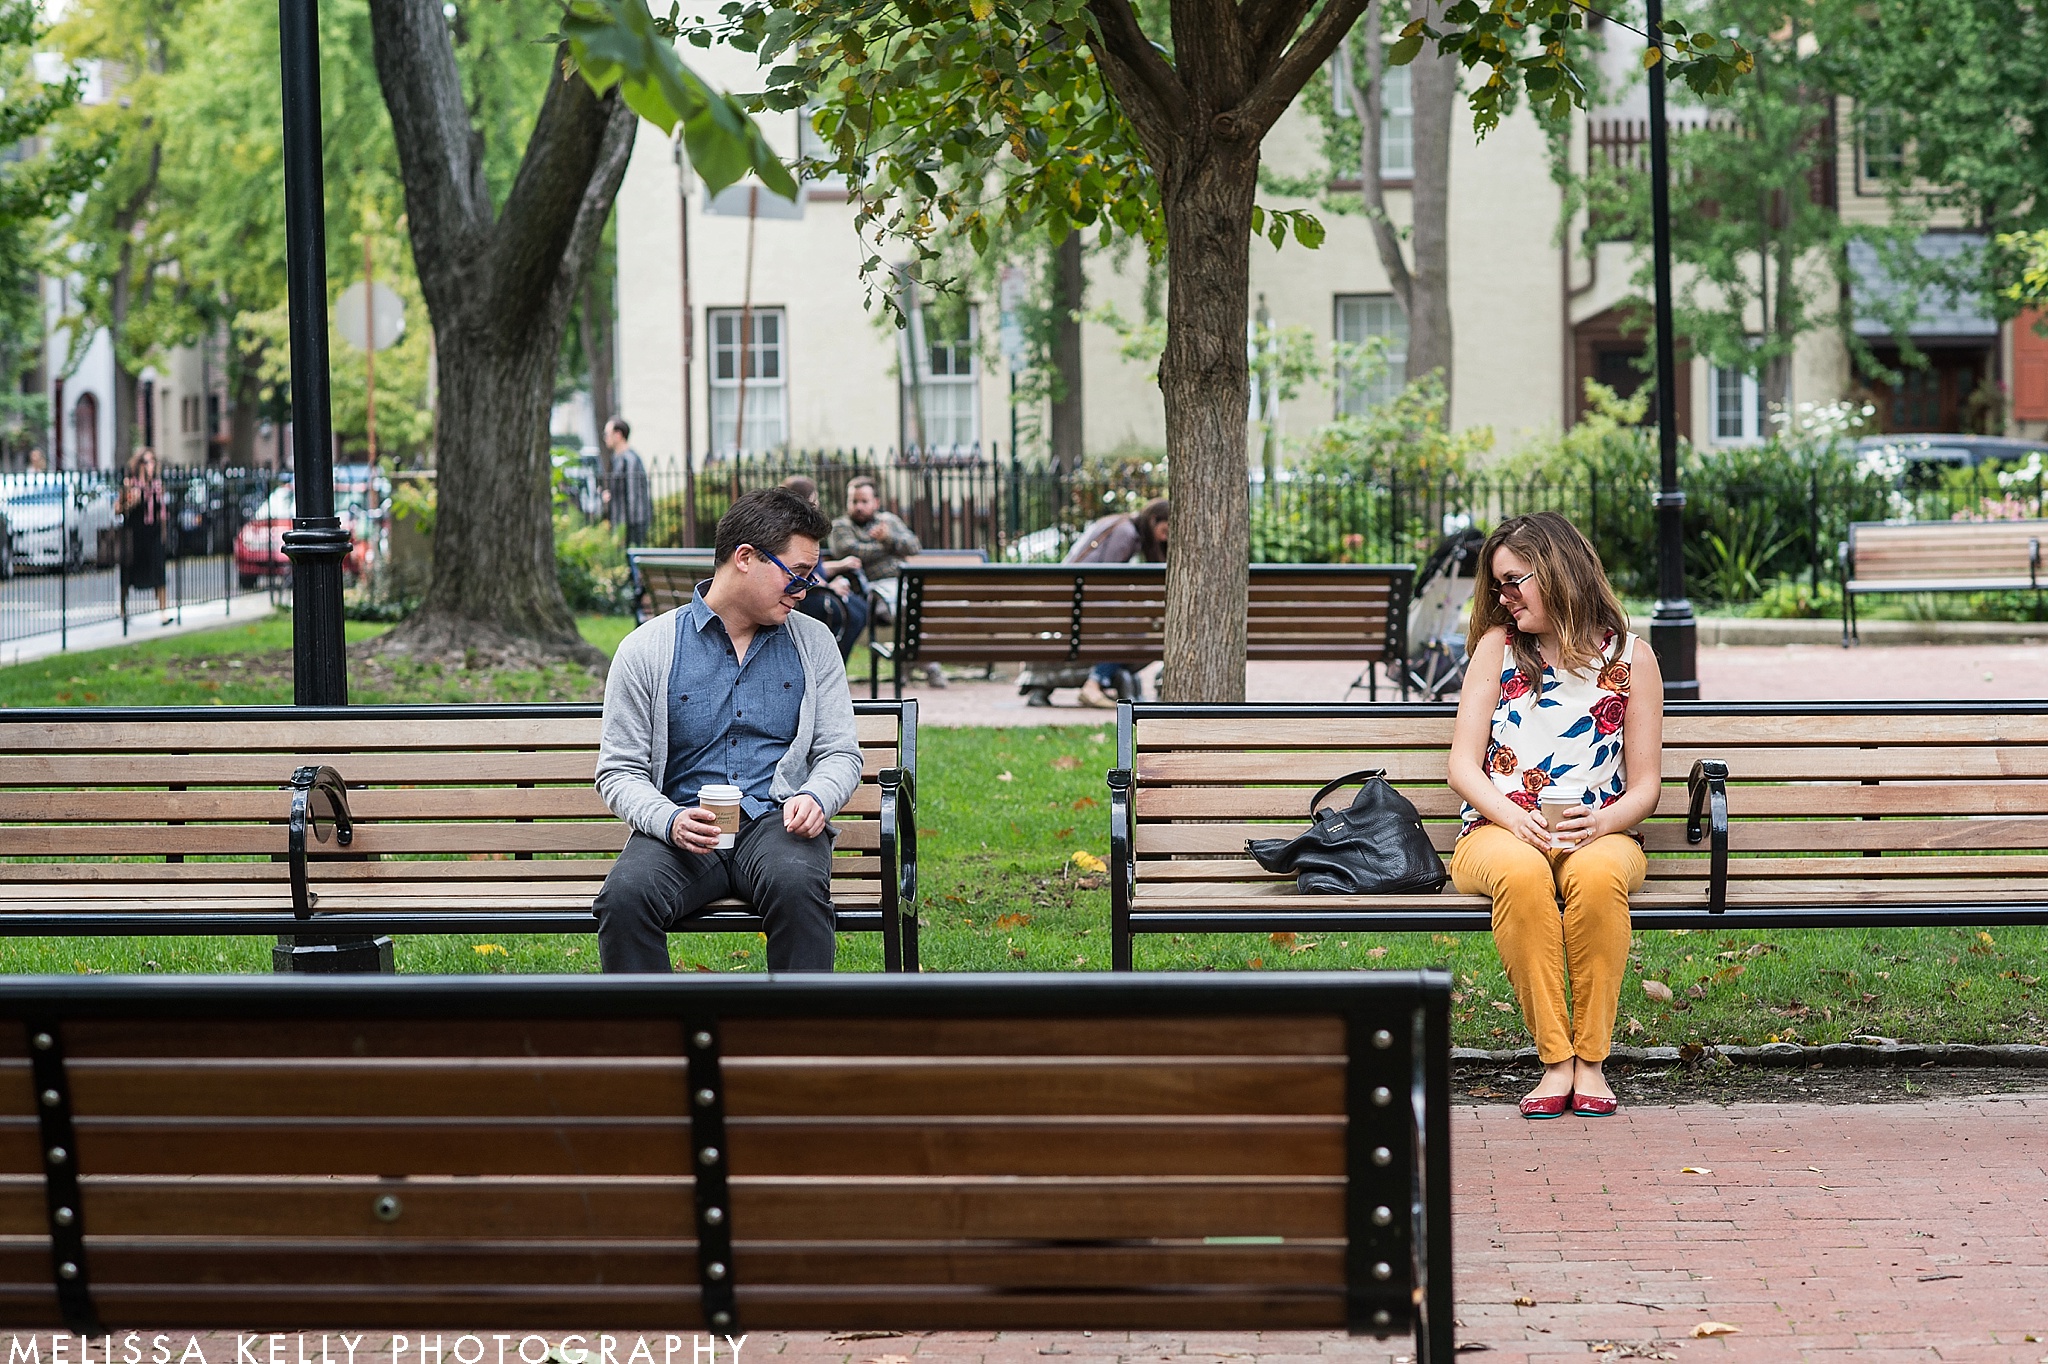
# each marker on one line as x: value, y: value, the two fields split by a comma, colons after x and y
x: 2021, y: 475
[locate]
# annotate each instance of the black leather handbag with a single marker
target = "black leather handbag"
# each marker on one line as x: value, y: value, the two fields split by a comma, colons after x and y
x: 1376, y: 847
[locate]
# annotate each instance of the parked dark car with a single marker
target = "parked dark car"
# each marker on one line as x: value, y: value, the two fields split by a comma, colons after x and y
x: 1928, y: 456
x: 202, y: 512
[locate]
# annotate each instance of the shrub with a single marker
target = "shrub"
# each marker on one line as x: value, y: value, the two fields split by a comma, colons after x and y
x: 591, y: 566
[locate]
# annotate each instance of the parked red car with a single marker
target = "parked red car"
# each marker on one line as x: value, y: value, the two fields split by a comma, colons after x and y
x: 259, y: 548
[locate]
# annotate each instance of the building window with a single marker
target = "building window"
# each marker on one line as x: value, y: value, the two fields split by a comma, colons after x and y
x: 1738, y: 407
x: 1397, y: 113
x: 949, y: 379
x: 1359, y: 318
x: 764, y: 380
x: 1883, y: 151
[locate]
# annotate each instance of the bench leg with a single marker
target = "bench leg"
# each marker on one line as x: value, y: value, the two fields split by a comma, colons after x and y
x: 332, y: 954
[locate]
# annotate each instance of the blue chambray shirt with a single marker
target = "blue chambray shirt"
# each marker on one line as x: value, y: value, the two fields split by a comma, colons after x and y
x: 730, y: 721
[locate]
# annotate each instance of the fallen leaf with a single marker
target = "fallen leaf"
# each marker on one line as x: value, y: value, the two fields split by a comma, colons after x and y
x: 1017, y: 952
x: 1715, y: 1328
x: 1695, y: 1170
x: 888, y: 1359
x: 1088, y: 861
x: 1375, y: 952
x: 1657, y: 990
x: 1298, y: 948
x: 1257, y: 963
x: 1063, y: 834
x: 1065, y: 762
x: 1525, y: 1302
x: 1503, y: 1006
x: 1635, y: 1025
x: 1281, y: 939
x: 485, y: 949
x: 1086, y: 803
x: 1004, y: 776
x: 1098, y: 737
x: 1007, y: 921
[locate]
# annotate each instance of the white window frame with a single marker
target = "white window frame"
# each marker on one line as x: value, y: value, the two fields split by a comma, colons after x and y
x: 767, y: 379
x: 1736, y: 404
x: 1354, y: 316
x: 1397, y: 113
x: 948, y: 380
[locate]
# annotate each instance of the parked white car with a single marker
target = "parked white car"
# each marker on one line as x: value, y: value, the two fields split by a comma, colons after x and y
x: 56, y: 525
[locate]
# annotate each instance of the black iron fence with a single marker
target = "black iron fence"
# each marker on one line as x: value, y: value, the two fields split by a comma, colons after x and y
x: 1744, y: 532
x: 61, y: 548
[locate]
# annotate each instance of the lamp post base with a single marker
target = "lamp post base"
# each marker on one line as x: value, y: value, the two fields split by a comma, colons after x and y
x: 331, y: 954
x: 1674, y: 636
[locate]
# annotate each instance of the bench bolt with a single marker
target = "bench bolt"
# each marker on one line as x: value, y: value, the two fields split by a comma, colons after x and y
x: 1383, y: 1039
x: 702, y: 1039
x: 1383, y: 1318
x: 1383, y: 1270
x: 51, y: 1098
x: 1382, y: 1156
x: 708, y: 1156
x: 1382, y: 1216
x: 44, y: 1041
x: 721, y: 1319
x: 1382, y: 1096
x: 387, y: 1208
x: 714, y: 1270
x: 58, y: 1155
x: 706, y: 1098
x: 64, y: 1217
x: 68, y: 1270
x: 714, y: 1216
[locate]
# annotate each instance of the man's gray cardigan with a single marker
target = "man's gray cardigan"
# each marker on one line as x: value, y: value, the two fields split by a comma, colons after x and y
x: 823, y: 759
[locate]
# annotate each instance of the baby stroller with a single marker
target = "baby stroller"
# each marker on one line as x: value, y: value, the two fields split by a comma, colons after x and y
x: 1436, y: 614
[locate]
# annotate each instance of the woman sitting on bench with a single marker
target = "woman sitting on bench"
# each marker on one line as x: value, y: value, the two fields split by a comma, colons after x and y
x: 1557, y: 755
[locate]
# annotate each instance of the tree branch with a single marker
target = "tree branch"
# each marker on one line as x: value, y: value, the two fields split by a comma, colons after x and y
x: 1283, y: 80
x: 552, y: 192
x: 1367, y: 101
x: 614, y: 150
x: 1143, y: 81
x: 1270, y: 23
x: 447, y: 203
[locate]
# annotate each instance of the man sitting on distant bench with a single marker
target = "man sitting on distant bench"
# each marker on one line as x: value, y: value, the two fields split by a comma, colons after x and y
x: 731, y: 689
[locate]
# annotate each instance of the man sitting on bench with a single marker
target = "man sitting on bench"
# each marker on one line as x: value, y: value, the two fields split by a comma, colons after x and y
x: 731, y: 689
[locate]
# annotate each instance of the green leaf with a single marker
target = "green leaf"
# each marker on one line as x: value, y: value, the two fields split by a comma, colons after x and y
x: 1308, y: 230
x: 1405, y: 51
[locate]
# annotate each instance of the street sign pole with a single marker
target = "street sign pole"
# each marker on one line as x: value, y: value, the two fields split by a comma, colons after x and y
x: 316, y: 544
x: 1674, y: 635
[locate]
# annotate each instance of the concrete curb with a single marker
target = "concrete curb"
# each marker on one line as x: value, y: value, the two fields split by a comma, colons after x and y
x: 1738, y: 632
x: 1880, y: 1052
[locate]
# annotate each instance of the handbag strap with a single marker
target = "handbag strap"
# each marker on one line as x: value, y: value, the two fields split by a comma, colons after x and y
x: 1362, y: 775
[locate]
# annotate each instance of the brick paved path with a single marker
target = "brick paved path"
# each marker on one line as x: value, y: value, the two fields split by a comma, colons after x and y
x: 1847, y: 1233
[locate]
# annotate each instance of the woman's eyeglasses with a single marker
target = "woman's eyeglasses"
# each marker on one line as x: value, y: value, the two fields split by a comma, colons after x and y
x: 1510, y: 588
x: 798, y: 584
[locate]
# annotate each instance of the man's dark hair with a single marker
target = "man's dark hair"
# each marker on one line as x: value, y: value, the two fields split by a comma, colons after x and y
x: 765, y: 518
x: 862, y: 482
x: 619, y: 425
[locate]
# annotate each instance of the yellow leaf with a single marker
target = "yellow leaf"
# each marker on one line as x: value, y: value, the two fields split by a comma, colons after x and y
x: 1652, y: 57
x: 981, y: 9
x: 1695, y: 1170
x: 1282, y: 939
x: 485, y: 949
x: 1715, y: 1328
x: 1088, y: 861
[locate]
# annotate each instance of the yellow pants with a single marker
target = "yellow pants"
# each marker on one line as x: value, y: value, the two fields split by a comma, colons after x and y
x: 1541, y: 950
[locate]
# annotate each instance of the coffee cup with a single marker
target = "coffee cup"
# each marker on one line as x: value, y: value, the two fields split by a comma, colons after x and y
x: 724, y: 803
x: 1558, y: 801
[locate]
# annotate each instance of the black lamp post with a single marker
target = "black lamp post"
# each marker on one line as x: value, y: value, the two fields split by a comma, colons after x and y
x: 316, y: 544
x: 1673, y: 633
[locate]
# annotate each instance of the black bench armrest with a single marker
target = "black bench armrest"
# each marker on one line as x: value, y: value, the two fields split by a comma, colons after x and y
x: 1707, y: 787
x: 319, y: 797
x: 1123, y: 867
x: 899, y: 867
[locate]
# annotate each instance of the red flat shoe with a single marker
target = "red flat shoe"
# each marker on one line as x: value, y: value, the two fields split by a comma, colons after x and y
x: 1586, y: 1106
x: 1547, y: 1106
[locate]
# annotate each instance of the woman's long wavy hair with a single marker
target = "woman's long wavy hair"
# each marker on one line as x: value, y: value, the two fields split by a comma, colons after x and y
x: 1581, y: 603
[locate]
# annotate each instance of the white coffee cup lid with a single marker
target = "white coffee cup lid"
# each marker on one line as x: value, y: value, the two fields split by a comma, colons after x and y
x: 721, y: 795
x: 1562, y: 795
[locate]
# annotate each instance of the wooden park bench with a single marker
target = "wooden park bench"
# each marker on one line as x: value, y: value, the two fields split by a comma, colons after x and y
x: 730, y: 1154
x: 670, y: 576
x: 1063, y: 614
x: 1939, y: 556
x: 1798, y: 816
x: 460, y: 819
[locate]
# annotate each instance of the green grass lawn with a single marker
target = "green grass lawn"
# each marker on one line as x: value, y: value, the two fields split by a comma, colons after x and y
x: 1003, y: 816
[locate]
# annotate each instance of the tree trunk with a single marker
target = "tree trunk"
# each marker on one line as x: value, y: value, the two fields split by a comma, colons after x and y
x: 245, y: 392
x: 1207, y: 385
x: 1070, y: 283
x: 595, y: 318
x: 499, y: 285
x: 1433, y: 82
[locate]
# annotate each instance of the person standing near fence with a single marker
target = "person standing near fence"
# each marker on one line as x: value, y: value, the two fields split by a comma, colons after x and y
x: 1558, y: 753
x: 881, y: 542
x: 143, y: 512
x: 628, y: 500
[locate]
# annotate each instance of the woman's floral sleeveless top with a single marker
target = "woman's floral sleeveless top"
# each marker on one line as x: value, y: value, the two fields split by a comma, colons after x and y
x: 1568, y: 729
